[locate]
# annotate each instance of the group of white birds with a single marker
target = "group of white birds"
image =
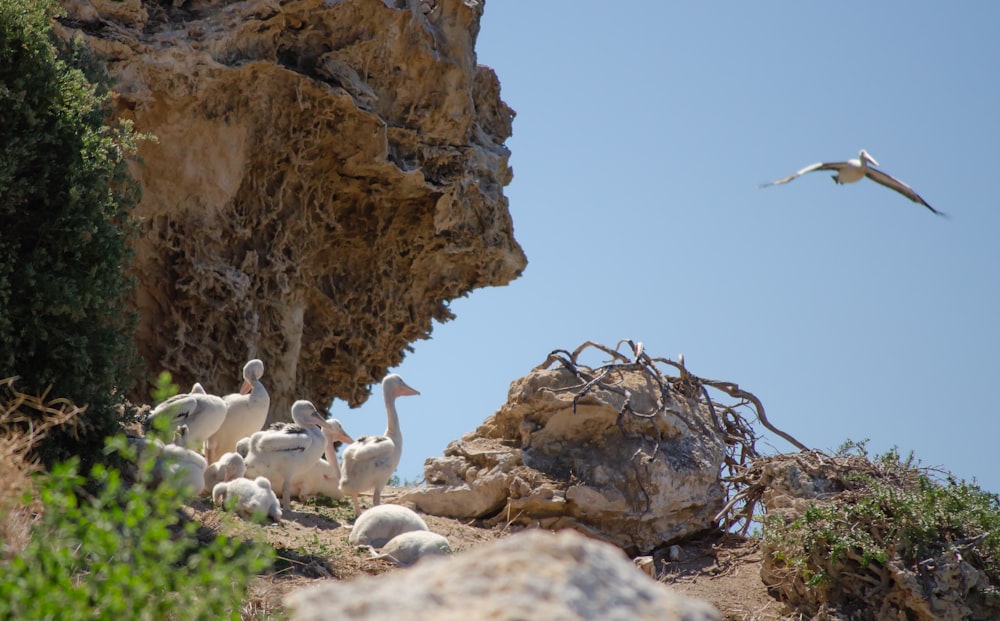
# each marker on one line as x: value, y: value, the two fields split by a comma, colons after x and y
x: 221, y: 447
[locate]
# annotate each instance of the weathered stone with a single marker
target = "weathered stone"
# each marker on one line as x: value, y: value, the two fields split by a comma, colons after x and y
x: 325, y: 177
x: 530, y: 575
x: 472, y: 480
x: 635, y: 481
x: 127, y: 12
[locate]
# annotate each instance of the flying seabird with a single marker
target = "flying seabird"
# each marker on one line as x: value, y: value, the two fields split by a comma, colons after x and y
x: 854, y: 170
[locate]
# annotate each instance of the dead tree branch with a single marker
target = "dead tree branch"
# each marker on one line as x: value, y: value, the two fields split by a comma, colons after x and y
x: 728, y: 421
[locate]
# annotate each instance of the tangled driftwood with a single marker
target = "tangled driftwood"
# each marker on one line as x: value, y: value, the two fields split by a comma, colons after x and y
x: 728, y: 418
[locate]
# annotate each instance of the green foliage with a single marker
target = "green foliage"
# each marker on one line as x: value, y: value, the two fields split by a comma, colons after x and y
x: 894, y: 512
x: 163, y: 388
x: 123, y: 552
x: 65, y: 224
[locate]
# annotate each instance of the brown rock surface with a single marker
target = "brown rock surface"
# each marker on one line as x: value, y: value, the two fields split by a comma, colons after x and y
x: 554, y: 458
x: 325, y: 178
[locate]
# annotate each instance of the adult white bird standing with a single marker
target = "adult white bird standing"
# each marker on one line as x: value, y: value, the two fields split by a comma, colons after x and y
x: 246, y: 412
x: 854, y: 170
x: 279, y: 454
x: 371, y: 460
x: 202, y: 414
x: 324, y: 477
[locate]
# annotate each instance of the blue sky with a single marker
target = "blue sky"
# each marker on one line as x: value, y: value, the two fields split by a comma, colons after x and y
x: 640, y: 138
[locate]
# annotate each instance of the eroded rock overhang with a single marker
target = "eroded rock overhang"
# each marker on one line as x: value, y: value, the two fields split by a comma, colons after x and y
x: 325, y: 177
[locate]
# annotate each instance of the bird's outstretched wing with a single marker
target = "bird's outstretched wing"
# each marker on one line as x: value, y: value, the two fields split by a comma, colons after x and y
x: 891, y: 182
x: 807, y: 169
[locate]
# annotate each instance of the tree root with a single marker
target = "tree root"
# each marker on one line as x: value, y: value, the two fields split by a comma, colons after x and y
x: 727, y: 418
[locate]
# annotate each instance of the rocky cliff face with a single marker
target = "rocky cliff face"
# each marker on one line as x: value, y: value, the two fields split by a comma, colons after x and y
x: 325, y: 177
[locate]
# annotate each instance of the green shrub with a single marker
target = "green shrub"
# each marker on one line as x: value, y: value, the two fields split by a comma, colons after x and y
x: 123, y: 552
x: 65, y: 227
x: 893, y: 511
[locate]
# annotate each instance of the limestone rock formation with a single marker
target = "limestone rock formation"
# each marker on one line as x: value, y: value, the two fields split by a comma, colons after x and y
x: 636, y: 481
x: 530, y: 575
x: 325, y: 177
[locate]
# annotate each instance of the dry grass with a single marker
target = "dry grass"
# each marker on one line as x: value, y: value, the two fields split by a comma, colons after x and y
x: 24, y: 420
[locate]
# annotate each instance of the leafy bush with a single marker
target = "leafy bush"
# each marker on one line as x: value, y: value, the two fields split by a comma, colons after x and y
x: 892, y: 518
x: 64, y: 231
x: 123, y: 552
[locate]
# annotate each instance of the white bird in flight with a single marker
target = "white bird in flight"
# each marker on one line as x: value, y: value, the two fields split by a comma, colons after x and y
x: 854, y: 170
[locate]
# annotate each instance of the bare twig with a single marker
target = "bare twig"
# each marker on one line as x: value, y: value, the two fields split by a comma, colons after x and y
x: 727, y: 421
x: 733, y: 390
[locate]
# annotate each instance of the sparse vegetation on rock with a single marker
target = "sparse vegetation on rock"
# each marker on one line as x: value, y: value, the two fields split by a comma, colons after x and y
x: 878, y: 538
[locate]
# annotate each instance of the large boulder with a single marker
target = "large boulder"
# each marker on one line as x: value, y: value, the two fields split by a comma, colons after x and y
x: 637, y: 476
x: 325, y: 177
x: 530, y: 575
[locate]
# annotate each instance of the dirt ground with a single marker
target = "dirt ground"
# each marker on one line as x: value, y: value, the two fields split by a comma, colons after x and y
x: 312, y: 544
x: 725, y: 573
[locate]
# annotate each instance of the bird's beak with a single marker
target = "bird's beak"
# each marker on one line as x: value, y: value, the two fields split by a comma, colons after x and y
x: 871, y: 160
x: 246, y: 387
x: 406, y: 391
x: 337, y: 433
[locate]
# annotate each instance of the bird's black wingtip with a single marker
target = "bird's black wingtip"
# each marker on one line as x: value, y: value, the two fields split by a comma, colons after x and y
x: 936, y: 211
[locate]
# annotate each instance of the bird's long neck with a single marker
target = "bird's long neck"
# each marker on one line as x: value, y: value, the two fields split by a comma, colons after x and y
x: 257, y: 391
x: 392, y: 429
